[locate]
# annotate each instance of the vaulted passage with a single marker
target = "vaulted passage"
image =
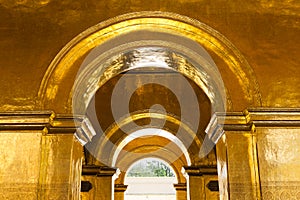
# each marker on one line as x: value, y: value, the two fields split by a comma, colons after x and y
x: 152, y: 94
x: 150, y: 104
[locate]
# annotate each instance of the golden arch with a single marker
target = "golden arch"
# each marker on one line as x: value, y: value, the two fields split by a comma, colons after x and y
x: 186, y: 140
x: 160, y: 153
x: 57, y: 85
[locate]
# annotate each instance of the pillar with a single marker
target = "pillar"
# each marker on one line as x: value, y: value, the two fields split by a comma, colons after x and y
x: 102, y: 179
x: 242, y: 165
x: 181, y: 193
x: 236, y: 156
x: 256, y: 151
x: 20, y: 163
x: 60, y: 169
x: 278, y: 141
x: 120, y: 191
x: 40, y: 156
x: 198, y: 178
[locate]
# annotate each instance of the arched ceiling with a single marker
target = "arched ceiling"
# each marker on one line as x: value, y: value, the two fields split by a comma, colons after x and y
x: 111, y: 135
x: 146, y: 96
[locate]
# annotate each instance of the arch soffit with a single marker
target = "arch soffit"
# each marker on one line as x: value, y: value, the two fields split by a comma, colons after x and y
x: 173, y: 143
x: 192, y: 141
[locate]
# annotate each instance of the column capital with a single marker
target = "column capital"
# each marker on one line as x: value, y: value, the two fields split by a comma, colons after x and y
x: 199, y: 170
x: 250, y: 119
x: 180, y: 186
x: 120, y: 188
x: 49, y: 123
x: 258, y: 117
x: 95, y: 170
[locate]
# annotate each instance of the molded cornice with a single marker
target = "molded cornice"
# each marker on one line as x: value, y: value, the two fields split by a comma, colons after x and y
x: 48, y: 122
x: 251, y: 119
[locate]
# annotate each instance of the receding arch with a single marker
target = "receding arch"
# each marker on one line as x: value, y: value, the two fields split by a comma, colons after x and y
x: 177, y: 165
x: 174, y: 166
x: 103, y: 148
x: 150, y: 132
x: 60, y: 87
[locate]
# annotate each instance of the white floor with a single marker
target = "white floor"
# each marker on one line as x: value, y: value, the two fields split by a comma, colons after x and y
x: 150, y: 188
x: 150, y: 197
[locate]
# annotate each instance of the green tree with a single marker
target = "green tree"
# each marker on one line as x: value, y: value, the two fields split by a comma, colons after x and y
x: 150, y: 168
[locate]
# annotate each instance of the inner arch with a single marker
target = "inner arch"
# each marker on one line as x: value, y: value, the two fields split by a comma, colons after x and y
x: 152, y: 181
x: 130, y: 168
x: 151, y: 132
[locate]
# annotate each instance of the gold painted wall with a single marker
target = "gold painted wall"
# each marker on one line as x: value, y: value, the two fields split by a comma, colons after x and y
x: 20, y: 164
x: 279, y: 161
x: 32, y: 33
x: 39, y: 166
x: 258, y: 155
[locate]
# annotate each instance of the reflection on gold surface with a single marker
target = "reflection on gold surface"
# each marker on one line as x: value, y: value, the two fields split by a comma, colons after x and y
x: 19, y: 175
x: 278, y: 151
x: 185, y: 131
x: 258, y: 155
x: 147, y: 133
x: 74, y: 53
x: 34, y: 31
